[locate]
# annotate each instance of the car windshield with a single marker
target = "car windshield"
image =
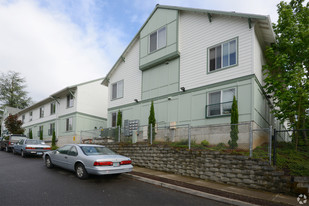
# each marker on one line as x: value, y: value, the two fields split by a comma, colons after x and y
x: 34, y: 141
x: 95, y: 150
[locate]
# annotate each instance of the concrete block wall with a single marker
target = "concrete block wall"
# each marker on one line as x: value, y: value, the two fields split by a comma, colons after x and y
x: 209, y: 165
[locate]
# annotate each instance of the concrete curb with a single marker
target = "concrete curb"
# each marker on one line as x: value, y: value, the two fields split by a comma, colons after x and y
x: 190, y: 191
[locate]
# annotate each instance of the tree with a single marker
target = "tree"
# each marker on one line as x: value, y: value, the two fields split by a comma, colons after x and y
x: 234, y: 127
x: 119, y: 119
x: 30, y: 134
x: 54, y: 139
x: 152, y: 121
x: 286, y: 69
x: 13, y: 124
x: 41, y: 134
x: 12, y: 91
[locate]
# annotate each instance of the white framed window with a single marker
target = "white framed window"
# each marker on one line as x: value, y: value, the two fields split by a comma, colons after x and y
x: 220, y: 102
x: 40, y: 131
x: 69, y: 124
x: 51, y: 129
x: 114, y: 119
x: 157, y: 39
x: 52, y: 108
x: 23, y: 118
x: 117, y: 90
x: 223, y: 55
x: 30, y: 116
x: 41, y: 112
x: 70, y: 100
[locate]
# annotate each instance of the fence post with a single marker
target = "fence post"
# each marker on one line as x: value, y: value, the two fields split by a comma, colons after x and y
x: 270, y: 142
x: 151, y: 134
x: 274, y: 150
x: 119, y: 133
x: 189, y: 136
x: 251, y: 139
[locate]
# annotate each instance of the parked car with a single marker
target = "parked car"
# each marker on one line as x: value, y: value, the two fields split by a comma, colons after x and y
x: 27, y: 147
x: 8, y: 142
x: 86, y: 159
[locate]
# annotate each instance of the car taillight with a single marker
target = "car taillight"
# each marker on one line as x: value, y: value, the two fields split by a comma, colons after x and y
x: 47, y: 148
x: 11, y: 143
x: 30, y: 148
x: 126, y: 162
x: 103, y: 163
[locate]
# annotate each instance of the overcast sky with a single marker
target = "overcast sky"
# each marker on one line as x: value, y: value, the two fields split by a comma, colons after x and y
x: 58, y: 43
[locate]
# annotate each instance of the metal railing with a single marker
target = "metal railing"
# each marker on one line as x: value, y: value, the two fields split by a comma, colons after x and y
x: 252, y: 140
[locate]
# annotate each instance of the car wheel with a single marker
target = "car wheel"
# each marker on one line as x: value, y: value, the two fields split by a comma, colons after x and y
x: 48, y: 162
x: 14, y: 152
x: 23, y: 154
x: 81, y: 172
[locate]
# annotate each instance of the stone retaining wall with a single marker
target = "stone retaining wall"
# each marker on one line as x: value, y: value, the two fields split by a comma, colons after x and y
x: 209, y: 165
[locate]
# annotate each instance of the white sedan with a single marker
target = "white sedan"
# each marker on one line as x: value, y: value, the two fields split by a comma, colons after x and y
x: 86, y: 159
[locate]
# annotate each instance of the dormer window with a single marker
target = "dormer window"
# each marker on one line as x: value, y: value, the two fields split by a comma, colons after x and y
x: 157, y: 39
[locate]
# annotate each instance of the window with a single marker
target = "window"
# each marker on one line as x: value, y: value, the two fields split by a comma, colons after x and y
x: 23, y: 118
x: 117, y: 90
x: 157, y: 39
x: 40, y: 131
x: 70, y: 100
x: 51, y: 129
x: 223, y: 55
x: 73, y: 151
x: 41, y: 112
x: 114, y: 119
x: 52, y: 108
x: 220, y: 102
x: 30, y: 116
x: 65, y: 149
x: 69, y: 124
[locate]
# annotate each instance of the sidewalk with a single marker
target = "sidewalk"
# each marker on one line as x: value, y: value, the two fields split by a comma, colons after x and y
x: 216, y: 191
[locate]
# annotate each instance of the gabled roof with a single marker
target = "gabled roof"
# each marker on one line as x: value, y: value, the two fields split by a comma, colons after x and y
x: 264, y: 23
x: 56, y: 95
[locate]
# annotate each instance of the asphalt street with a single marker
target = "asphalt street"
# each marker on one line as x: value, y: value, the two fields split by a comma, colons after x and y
x: 26, y: 181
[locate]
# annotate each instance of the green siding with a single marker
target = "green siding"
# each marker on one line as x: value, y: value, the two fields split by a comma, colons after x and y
x: 161, y: 18
x: 261, y: 107
x: 161, y: 80
x: 189, y: 107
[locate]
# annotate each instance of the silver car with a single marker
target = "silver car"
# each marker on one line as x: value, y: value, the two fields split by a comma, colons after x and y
x: 27, y: 147
x: 86, y: 159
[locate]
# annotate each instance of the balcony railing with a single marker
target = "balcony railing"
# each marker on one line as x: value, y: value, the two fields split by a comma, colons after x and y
x: 219, y: 109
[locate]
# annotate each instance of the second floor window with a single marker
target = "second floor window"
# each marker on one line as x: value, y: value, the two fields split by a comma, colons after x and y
x: 41, y: 112
x: 223, y: 55
x: 70, y: 101
x: 30, y: 116
x: 157, y: 39
x: 220, y: 102
x: 53, y: 108
x: 117, y: 90
x: 23, y: 118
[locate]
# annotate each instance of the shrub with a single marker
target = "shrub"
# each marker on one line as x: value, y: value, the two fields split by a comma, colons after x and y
x: 205, y: 143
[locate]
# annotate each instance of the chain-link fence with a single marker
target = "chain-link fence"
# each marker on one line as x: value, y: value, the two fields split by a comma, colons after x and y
x: 252, y: 140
